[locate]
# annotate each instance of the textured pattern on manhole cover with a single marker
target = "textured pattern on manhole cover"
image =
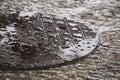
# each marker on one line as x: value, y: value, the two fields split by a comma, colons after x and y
x: 39, y: 41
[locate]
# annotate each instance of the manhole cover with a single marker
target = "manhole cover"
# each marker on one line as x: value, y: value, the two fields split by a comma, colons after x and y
x: 40, y: 41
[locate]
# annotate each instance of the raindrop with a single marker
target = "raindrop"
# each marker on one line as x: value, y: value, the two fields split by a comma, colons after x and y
x: 82, y: 50
x: 83, y: 43
x: 76, y: 47
x: 71, y: 50
x: 88, y: 47
x: 74, y: 51
x: 79, y: 45
x: 88, y: 42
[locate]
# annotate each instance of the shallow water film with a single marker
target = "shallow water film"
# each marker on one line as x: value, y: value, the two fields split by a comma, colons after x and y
x: 102, y: 15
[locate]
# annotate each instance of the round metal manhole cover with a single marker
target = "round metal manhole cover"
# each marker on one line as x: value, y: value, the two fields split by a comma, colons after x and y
x: 40, y: 41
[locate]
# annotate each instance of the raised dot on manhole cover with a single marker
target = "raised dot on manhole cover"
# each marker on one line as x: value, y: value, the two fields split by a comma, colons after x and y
x: 41, y: 41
